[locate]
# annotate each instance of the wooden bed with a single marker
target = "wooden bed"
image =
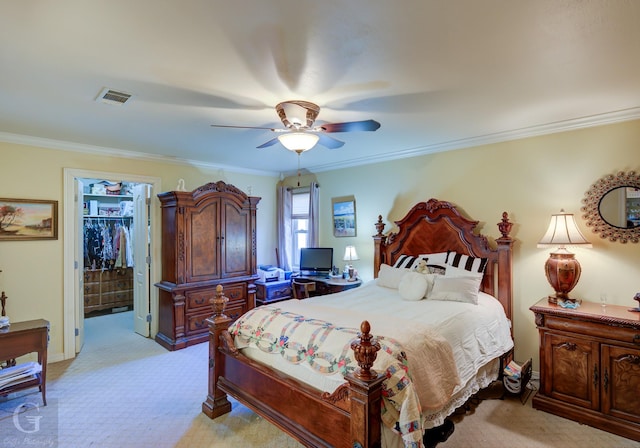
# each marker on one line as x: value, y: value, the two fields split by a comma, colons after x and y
x: 350, y: 416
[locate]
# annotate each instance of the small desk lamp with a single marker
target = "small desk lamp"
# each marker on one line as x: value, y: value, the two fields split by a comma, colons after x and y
x: 562, y: 268
x: 350, y: 254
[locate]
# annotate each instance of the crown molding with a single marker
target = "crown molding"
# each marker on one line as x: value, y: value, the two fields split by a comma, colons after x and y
x: 114, y: 152
x: 498, y: 137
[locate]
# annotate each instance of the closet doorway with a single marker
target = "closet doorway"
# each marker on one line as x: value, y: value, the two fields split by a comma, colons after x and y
x: 108, y: 248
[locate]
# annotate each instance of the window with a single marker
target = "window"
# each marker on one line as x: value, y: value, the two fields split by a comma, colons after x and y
x: 299, y: 223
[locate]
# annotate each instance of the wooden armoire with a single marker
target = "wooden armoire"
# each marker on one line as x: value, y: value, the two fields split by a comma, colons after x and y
x: 208, y: 239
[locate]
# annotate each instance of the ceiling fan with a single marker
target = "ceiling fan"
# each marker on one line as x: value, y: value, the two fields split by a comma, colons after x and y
x: 300, y: 134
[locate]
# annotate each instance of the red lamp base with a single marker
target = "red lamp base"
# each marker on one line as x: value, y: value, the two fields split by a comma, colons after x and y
x: 563, y: 272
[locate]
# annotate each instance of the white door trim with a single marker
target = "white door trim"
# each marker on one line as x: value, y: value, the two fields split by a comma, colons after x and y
x: 71, y: 302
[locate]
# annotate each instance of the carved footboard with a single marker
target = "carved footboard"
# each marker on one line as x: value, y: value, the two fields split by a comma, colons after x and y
x: 349, y: 417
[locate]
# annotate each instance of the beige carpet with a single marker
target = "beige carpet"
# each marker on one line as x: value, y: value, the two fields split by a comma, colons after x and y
x: 124, y: 390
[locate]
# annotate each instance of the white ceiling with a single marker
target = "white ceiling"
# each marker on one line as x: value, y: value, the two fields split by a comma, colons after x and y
x: 437, y: 74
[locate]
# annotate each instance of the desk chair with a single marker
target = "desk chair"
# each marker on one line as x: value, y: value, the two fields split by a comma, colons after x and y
x: 302, y: 287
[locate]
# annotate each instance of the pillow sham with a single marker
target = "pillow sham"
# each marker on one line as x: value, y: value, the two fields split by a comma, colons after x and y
x: 390, y: 277
x: 438, y: 257
x: 413, y: 286
x: 453, y: 271
x: 456, y: 289
x: 406, y: 261
x: 467, y: 262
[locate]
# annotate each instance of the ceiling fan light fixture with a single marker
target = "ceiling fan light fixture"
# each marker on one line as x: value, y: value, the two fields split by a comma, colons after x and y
x: 298, y: 141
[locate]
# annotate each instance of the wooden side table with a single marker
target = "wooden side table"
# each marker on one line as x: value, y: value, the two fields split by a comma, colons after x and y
x: 22, y: 338
x: 590, y: 365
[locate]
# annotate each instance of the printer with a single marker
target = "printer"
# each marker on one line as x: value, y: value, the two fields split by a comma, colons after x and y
x: 268, y: 273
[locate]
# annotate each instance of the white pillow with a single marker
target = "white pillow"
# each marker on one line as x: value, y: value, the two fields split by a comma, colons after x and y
x: 456, y: 289
x: 452, y: 271
x: 430, y: 281
x: 413, y: 286
x: 390, y: 277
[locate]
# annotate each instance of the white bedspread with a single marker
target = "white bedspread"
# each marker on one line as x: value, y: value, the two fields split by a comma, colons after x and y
x: 469, y: 335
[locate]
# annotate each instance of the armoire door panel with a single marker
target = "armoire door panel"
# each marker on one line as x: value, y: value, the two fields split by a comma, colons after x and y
x: 202, y: 243
x: 236, y: 241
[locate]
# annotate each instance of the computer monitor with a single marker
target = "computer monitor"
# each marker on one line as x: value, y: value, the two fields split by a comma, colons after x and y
x: 316, y: 260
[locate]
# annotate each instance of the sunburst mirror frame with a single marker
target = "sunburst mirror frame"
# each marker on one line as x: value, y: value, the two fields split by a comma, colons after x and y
x: 591, y: 210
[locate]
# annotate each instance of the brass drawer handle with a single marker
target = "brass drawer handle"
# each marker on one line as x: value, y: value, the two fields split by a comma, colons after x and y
x: 636, y: 339
x: 568, y: 346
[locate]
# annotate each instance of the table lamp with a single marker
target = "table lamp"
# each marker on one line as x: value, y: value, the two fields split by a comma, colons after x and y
x: 350, y: 254
x: 562, y: 267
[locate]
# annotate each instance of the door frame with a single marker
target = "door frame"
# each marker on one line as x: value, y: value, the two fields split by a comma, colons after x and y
x: 73, y: 303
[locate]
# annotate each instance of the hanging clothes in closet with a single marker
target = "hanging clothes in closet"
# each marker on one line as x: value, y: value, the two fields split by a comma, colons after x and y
x: 107, y: 244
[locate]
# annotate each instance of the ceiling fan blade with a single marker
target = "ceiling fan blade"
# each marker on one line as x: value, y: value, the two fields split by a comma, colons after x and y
x: 240, y: 127
x: 271, y: 142
x: 366, y: 125
x: 329, y: 142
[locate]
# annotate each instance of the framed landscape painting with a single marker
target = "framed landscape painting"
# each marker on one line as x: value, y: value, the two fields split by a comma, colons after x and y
x: 28, y: 219
x: 344, y: 216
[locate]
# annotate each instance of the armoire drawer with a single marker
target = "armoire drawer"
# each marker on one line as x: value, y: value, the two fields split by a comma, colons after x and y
x: 197, y: 323
x: 198, y: 299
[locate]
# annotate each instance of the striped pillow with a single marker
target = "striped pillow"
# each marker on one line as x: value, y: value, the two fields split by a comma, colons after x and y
x: 438, y: 258
x: 467, y: 262
x: 406, y: 261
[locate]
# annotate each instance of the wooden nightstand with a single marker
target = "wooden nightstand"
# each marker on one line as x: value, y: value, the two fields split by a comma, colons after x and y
x: 22, y: 338
x: 590, y: 365
x: 271, y: 292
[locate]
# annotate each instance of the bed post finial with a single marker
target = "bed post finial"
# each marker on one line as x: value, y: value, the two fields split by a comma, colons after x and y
x: 379, y: 226
x: 378, y: 240
x: 365, y: 352
x: 505, y: 225
x: 219, y: 302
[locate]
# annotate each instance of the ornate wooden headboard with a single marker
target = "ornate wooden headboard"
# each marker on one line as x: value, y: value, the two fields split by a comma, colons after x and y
x: 437, y: 226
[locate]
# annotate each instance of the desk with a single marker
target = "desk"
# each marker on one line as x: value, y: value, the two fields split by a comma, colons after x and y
x: 22, y: 338
x: 330, y: 285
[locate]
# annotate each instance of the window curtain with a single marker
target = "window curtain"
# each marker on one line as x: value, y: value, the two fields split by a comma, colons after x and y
x: 314, y: 205
x: 283, y: 204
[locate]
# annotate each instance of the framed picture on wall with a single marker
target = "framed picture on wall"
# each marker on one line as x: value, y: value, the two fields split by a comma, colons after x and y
x: 28, y: 219
x: 344, y: 216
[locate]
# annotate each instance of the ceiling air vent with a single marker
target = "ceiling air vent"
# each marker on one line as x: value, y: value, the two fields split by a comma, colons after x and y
x: 111, y: 96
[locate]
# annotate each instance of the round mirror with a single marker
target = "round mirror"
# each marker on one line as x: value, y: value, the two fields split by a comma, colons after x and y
x: 612, y: 207
x: 620, y: 207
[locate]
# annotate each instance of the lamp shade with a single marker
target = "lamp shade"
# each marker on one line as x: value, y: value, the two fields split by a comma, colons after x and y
x: 350, y: 253
x: 298, y: 141
x: 562, y: 232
